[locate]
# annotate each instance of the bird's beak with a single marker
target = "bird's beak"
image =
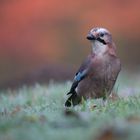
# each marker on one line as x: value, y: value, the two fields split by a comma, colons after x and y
x: 91, y: 37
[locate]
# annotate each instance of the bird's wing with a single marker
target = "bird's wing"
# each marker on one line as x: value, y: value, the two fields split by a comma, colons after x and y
x: 80, y: 75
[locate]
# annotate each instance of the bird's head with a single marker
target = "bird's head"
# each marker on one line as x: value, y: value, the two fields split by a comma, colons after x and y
x: 101, y: 35
x: 100, y: 38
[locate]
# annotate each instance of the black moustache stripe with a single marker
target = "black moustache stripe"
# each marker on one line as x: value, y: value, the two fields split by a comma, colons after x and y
x: 101, y: 40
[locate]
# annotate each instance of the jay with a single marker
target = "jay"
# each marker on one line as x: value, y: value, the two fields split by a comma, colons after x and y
x: 98, y: 73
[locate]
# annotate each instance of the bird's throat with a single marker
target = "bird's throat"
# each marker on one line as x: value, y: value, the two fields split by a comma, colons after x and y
x: 98, y: 48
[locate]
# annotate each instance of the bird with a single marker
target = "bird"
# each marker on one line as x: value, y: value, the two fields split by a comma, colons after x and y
x: 97, y: 75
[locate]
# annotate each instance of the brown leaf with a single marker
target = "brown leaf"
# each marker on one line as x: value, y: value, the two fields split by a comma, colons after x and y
x: 134, y: 119
x: 16, y: 110
x: 42, y: 118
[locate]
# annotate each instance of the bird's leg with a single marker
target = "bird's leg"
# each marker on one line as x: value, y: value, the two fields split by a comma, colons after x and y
x: 105, y: 99
x: 104, y: 102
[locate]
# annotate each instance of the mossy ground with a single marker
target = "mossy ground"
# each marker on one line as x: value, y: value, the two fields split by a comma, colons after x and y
x: 38, y: 113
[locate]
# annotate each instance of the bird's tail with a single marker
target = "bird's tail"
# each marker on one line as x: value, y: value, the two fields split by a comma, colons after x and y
x: 74, y: 99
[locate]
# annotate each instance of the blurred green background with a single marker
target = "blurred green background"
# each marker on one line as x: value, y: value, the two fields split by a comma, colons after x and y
x: 46, y: 39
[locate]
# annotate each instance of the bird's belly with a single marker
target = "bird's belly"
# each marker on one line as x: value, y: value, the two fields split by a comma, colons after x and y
x: 96, y: 86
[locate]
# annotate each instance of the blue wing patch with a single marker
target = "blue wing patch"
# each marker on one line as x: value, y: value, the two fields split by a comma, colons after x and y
x: 79, y: 76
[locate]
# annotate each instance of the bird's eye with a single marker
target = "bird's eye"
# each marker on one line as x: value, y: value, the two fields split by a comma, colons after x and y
x: 101, y: 34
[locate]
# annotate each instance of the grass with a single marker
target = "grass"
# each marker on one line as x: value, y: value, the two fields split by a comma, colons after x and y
x: 38, y: 113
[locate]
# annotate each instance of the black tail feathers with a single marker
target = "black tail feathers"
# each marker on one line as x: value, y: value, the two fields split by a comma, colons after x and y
x: 74, y: 99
